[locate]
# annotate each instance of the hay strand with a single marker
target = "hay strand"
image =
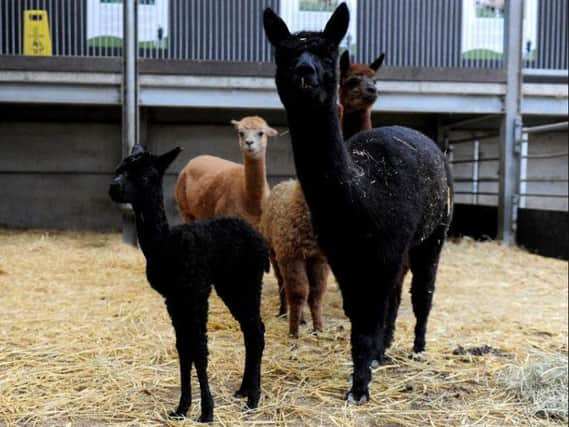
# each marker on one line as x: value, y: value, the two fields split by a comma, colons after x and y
x: 84, y: 341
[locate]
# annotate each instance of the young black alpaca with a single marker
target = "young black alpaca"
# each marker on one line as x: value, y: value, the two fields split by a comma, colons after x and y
x: 375, y: 200
x: 183, y: 262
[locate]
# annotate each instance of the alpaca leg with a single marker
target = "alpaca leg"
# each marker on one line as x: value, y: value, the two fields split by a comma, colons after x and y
x: 177, y: 309
x: 296, y: 285
x: 253, y: 333
x: 394, y: 302
x: 199, y: 344
x: 318, y: 271
x: 280, y: 283
x: 244, y: 304
x: 185, y: 358
x: 363, y: 340
x: 424, y: 261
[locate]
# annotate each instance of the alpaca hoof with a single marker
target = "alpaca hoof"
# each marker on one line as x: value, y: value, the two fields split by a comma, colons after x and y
x: 205, y: 418
x: 357, y: 400
x: 418, y: 356
x: 293, y: 335
x: 176, y: 416
x: 380, y: 361
x: 252, y: 403
x: 240, y: 393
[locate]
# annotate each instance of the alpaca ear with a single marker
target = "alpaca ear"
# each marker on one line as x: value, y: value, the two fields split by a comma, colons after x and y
x: 377, y: 63
x: 270, y: 131
x: 137, y: 149
x: 344, y: 63
x: 337, y: 25
x: 235, y: 123
x: 275, y: 28
x: 162, y: 162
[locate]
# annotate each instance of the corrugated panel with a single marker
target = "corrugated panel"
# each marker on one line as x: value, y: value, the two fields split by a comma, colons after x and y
x: 415, y: 33
x: 412, y: 33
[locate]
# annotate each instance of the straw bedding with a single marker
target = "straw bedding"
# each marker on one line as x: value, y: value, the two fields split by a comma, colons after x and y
x: 85, y: 341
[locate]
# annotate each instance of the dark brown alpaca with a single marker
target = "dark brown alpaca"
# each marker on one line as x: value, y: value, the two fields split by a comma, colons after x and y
x: 357, y: 94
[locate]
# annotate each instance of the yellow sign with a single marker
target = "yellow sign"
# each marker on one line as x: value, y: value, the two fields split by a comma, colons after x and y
x: 37, y: 39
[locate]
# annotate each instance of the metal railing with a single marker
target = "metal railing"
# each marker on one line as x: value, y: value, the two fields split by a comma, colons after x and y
x: 538, y: 184
x: 475, y: 170
x: 542, y: 183
x: 412, y: 33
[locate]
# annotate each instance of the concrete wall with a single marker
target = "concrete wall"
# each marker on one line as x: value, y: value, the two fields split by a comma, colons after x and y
x: 55, y: 174
x: 56, y: 162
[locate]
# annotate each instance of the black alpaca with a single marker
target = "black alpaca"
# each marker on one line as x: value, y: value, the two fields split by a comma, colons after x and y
x: 378, y: 198
x: 183, y: 262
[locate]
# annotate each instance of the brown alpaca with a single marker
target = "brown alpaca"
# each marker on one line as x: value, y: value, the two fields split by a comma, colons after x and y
x: 357, y: 94
x: 301, y: 269
x: 299, y: 265
x: 210, y: 186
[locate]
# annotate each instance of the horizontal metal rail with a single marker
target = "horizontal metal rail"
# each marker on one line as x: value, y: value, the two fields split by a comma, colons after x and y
x: 471, y: 121
x: 547, y: 128
x: 545, y: 180
x: 474, y: 138
x: 547, y: 155
x: 479, y: 193
x: 487, y: 159
x: 469, y: 180
x: 555, y: 196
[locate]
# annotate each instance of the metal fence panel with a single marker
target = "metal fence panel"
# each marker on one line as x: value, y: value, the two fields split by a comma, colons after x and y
x: 412, y: 33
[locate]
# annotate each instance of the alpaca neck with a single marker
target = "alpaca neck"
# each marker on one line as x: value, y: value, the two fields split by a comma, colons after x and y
x: 322, y: 162
x: 151, y: 224
x: 255, y: 183
x: 355, y: 121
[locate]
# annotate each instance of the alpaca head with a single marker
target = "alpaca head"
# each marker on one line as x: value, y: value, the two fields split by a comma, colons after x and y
x: 254, y: 133
x: 357, y: 83
x: 140, y: 174
x: 307, y: 61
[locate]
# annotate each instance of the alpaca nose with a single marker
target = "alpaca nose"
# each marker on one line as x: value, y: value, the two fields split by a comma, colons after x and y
x: 305, y: 66
x: 249, y: 142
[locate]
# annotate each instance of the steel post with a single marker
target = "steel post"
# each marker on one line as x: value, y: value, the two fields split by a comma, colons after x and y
x: 511, y: 126
x: 129, y: 92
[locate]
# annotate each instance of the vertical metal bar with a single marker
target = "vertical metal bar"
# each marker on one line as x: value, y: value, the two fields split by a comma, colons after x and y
x: 523, y: 168
x: 180, y: 33
x: 475, y: 170
x: 65, y: 30
x: 75, y: 36
x: 511, y: 123
x: 80, y: 35
x: 130, y: 116
x: 15, y: 20
x: 169, y: 49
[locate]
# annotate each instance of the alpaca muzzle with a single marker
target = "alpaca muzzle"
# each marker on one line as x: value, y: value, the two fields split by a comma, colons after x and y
x: 306, y: 72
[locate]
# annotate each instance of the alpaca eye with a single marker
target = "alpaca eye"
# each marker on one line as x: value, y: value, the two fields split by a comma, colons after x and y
x: 242, y: 134
x: 260, y: 134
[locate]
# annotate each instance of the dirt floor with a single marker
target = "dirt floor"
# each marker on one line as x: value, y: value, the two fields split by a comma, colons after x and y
x: 85, y: 341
